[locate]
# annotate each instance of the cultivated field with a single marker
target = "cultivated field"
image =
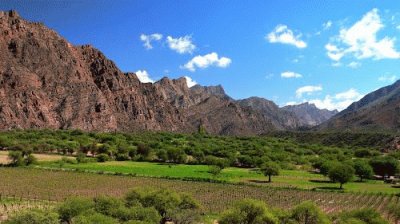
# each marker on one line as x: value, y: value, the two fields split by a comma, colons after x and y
x: 214, y: 197
x: 287, y: 178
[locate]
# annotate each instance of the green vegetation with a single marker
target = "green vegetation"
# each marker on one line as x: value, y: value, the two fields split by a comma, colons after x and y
x: 153, y: 206
x: 216, y: 170
x: 287, y: 178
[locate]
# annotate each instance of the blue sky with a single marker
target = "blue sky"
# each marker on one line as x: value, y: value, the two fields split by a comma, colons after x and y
x: 330, y: 53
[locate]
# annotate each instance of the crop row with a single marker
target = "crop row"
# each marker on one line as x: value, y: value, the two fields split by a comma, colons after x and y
x: 214, y: 197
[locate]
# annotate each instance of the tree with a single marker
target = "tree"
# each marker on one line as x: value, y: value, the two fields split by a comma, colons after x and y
x: 341, y: 173
x: 326, y: 166
x: 308, y: 213
x: 16, y: 158
x: 176, y: 155
x: 385, y: 166
x: 164, y: 201
x: 363, y: 170
x: 270, y: 169
x: 249, y: 212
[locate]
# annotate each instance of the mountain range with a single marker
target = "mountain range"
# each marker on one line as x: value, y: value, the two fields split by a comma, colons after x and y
x: 46, y: 82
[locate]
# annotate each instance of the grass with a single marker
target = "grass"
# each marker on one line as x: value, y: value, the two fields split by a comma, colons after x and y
x: 287, y: 178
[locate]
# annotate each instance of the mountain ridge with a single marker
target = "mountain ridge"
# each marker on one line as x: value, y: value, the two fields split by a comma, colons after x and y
x: 46, y: 82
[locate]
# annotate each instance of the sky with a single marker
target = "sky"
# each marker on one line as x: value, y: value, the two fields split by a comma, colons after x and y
x: 330, y: 53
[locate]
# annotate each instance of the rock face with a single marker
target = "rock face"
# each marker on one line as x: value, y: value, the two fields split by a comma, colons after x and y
x: 280, y: 118
x: 309, y: 115
x: 45, y: 82
x: 379, y: 110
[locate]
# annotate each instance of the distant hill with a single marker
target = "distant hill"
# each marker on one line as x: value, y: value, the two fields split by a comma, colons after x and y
x: 309, y: 115
x: 377, y: 111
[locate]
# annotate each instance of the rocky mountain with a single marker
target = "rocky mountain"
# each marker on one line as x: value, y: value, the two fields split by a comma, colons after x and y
x: 281, y: 118
x: 379, y: 110
x: 309, y: 115
x: 46, y: 82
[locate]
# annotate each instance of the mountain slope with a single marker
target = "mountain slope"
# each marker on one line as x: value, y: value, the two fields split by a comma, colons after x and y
x: 46, y: 82
x: 280, y: 118
x: 309, y: 115
x: 379, y: 110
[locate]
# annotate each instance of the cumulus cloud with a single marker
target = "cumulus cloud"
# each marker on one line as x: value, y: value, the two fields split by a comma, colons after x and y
x: 361, y: 42
x: 387, y: 78
x: 282, y: 34
x: 181, y: 45
x: 354, y: 64
x: 205, y: 61
x: 307, y: 90
x: 143, y: 76
x: 147, y: 39
x: 190, y: 82
x: 327, y: 25
x: 290, y: 75
x: 339, y: 101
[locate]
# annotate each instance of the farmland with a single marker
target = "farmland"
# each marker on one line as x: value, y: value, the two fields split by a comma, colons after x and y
x: 287, y: 178
x: 214, y: 197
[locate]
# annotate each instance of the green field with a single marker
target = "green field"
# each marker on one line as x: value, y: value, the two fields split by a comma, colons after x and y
x: 287, y: 178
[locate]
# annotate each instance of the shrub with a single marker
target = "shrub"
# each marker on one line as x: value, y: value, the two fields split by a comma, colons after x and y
x: 308, y: 212
x: 34, y: 217
x: 249, y: 212
x: 102, y: 157
x: 73, y: 207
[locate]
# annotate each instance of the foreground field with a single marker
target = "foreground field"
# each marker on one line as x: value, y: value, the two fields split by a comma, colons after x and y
x: 287, y: 178
x: 214, y: 197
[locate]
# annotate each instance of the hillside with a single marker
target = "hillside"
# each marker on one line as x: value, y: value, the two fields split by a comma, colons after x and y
x: 46, y: 82
x: 309, y: 115
x: 379, y: 110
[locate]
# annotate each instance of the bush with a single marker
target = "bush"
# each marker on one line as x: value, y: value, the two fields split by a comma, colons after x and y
x: 73, y: 207
x: 16, y: 158
x: 365, y: 216
x: 94, y: 218
x: 308, y: 212
x: 34, y: 217
x: 249, y: 212
x: 102, y: 157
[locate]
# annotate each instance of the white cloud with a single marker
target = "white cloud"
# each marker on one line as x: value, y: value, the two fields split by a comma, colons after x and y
x: 354, y: 64
x: 291, y: 103
x: 181, y: 45
x: 143, y: 76
x: 308, y: 90
x: 327, y: 25
x: 190, y: 82
x: 340, y: 101
x: 282, y: 34
x: 290, y: 75
x: 360, y: 40
x: 147, y: 39
x: 398, y: 27
x: 207, y: 60
x: 387, y: 78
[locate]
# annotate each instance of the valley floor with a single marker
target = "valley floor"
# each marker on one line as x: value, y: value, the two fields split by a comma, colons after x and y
x: 287, y: 179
